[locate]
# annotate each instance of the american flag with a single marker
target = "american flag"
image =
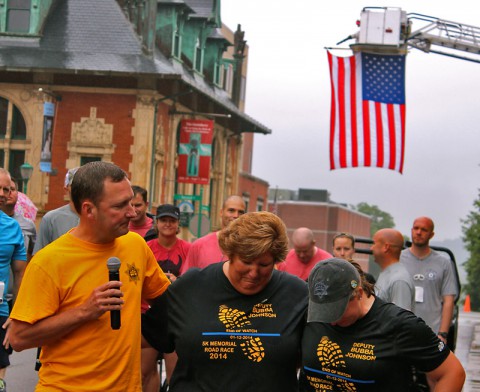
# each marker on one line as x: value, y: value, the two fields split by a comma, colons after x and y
x: 367, y: 122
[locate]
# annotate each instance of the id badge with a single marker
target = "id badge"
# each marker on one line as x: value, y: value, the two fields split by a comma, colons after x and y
x: 2, y: 290
x: 418, y: 294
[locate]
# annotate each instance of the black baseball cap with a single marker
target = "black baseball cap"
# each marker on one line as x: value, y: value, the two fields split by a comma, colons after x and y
x: 168, y: 210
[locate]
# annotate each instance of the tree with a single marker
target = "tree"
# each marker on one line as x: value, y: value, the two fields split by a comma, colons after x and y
x: 471, y: 238
x: 380, y: 219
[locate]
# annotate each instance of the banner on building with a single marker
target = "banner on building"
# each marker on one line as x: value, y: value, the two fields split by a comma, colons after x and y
x: 47, y: 138
x: 367, y: 120
x: 195, y: 151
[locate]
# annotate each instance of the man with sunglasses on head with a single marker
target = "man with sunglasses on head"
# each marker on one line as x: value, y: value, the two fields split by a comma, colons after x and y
x: 435, y: 285
x: 28, y: 227
x: 434, y: 279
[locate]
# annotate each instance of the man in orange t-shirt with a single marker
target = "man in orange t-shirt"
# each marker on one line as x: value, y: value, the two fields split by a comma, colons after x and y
x: 66, y: 298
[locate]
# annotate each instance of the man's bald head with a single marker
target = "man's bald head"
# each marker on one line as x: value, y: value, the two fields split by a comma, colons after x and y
x: 387, y: 246
x: 302, y: 235
x: 422, y: 232
x: 303, y: 244
x: 426, y: 221
x: 232, y: 208
x: 392, y: 237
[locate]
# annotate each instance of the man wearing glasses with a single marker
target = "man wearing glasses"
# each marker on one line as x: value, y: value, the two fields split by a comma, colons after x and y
x: 14, y: 256
x: 28, y: 227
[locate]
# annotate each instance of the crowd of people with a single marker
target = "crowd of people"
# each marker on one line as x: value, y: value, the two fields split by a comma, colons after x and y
x: 236, y: 310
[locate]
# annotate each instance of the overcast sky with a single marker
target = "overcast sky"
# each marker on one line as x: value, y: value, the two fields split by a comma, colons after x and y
x: 288, y: 90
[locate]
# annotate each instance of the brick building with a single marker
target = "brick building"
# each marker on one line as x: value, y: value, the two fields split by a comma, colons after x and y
x: 313, y: 209
x: 120, y: 76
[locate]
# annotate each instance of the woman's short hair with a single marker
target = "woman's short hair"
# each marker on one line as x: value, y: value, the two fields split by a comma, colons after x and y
x: 254, y: 234
x: 344, y: 235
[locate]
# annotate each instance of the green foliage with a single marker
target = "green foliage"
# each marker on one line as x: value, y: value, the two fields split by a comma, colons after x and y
x: 380, y: 219
x: 471, y: 238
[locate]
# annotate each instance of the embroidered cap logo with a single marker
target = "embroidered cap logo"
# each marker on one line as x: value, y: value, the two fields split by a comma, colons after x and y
x: 320, y: 289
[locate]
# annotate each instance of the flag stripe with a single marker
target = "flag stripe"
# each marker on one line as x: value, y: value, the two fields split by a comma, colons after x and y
x: 392, y: 137
x: 367, y: 132
x: 341, y: 109
x: 401, y: 128
x: 353, y: 113
x: 332, y: 113
x: 379, y: 128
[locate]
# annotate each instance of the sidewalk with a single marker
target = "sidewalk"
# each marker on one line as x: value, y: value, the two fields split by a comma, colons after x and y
x: 468, y: 349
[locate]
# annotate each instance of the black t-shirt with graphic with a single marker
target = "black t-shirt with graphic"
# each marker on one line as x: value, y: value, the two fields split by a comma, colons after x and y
x: 375, y: 354
x: 227, y: 341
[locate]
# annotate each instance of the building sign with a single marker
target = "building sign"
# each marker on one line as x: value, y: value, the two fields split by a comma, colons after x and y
x: 46, y: 153
x: 195, y: 151
x: 186, y: 212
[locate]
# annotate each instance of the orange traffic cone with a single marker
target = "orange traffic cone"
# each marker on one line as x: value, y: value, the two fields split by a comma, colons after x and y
x: 466, y: 305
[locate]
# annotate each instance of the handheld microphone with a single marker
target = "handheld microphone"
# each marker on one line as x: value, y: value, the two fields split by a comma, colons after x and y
x: 113, y: 265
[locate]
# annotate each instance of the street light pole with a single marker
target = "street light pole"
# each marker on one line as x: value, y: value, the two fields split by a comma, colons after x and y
x: 26, y: 171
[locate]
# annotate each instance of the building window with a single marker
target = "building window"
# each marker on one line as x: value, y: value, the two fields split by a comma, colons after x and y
x: 176, y: 44
x: 260, y: 204
x: 218, y: 69
x: 177, y: 40
x: 17, y: 159
x: 18, y: 16
x: 246, y: 200
x: 216, y: 73
x: 13, y: 134
x: 19, y: 129
x: 228, y: 78
x: 84, y: 160
x: 198, y: 56
x: 3, y: 117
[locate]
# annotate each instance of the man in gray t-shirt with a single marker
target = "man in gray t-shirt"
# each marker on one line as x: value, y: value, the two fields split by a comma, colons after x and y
x: 394, y: 284
x: 57, y: 222
x: 434, y: 279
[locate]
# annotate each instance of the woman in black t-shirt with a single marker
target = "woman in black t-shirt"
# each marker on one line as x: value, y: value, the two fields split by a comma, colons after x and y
x: 354, y: 341
x: 236, y: 326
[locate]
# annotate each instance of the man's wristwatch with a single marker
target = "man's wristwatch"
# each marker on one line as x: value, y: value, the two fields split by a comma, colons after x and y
x: 443, y: 334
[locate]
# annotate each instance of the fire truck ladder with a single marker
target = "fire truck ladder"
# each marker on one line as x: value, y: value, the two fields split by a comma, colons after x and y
x: 446, y: 34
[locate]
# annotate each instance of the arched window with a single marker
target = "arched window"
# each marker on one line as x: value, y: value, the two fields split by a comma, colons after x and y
x: 13, y: 133
x: 3, y: 117
x: 17, y: 130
